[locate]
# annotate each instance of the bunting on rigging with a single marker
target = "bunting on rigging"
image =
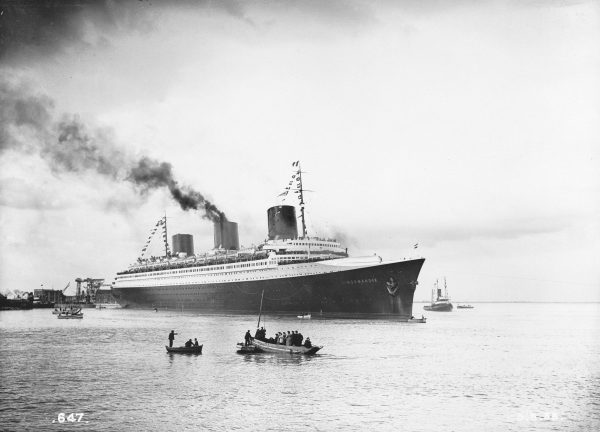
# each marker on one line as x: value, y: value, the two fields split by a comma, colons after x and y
x: 162, y: 222
x: 297, y: 189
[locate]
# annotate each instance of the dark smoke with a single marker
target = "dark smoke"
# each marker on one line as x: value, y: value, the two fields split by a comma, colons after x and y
x: 68, y: 146
x: 150, y: 174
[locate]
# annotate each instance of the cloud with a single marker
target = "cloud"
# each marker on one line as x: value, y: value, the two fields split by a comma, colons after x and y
x: 22, y: 194
x: 44, y: 27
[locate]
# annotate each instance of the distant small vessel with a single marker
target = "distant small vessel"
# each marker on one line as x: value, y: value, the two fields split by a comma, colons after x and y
x: 418, y: 320
x: 66, y: 310
x: 304, y: 316
x: 467, y: 306
x: 440, y: 303
x: 185, y: 350
x: 70, y: 314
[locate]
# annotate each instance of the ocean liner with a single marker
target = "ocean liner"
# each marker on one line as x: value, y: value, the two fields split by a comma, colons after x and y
x: 297, y: 272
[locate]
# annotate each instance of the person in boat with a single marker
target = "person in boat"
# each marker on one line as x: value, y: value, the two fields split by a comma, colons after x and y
x: 195, y: 342
x: 294, y: 339
x: 288, y: 339
x: 171, y: 338
x: 307, y: 343
x: 299, y: 338
x: 247, y: 337
x: 188, y: 344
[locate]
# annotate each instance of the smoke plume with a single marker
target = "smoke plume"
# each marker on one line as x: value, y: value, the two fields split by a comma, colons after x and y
x: 68, y: 146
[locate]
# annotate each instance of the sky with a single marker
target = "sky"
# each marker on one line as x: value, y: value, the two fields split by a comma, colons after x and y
x: 469, y: 127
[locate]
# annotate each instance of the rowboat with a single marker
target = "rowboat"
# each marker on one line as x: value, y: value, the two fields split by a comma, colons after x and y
x: 284, y: 349
x: 260, y: 346
x: 185, y: 350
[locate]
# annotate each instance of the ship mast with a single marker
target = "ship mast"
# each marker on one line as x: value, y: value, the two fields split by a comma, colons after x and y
x: 260, y: 310
x: 165, y: 236
x: 301, y: 192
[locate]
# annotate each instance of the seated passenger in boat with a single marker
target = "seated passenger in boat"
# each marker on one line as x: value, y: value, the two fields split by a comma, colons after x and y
x: 195, y: 342
x: 307, y: 343
x: 188, y: 344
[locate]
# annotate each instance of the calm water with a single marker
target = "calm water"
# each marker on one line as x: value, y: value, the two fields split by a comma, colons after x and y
x: 504, y: 367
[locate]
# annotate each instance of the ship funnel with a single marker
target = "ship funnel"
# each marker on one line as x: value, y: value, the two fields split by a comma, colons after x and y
x: 183, y: 243
x: 226, y: 235
x: 282, y: 222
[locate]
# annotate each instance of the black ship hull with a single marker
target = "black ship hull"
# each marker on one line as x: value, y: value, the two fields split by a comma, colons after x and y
x: 384, y: 290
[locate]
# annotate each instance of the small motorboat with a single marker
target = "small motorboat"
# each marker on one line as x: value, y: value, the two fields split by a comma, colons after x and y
x: 304, y: 316
x: 467, y: 306
x: 184, y: 350
x: 285, y: 349
x: 68, y: 315
x: 417, y: 320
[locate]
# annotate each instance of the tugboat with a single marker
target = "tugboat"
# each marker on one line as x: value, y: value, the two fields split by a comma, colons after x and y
x: 440, y: 303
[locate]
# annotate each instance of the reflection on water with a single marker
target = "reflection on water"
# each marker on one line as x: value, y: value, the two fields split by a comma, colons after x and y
x: 497, y: 367
x: 278, y: 359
